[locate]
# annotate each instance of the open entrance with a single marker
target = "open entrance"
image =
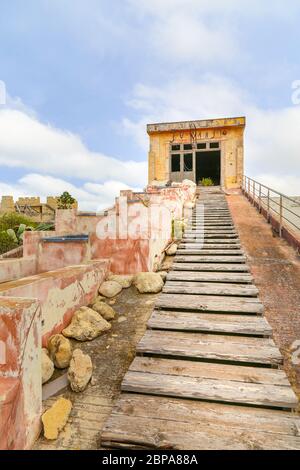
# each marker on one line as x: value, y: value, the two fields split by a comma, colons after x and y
x: 208, y: 165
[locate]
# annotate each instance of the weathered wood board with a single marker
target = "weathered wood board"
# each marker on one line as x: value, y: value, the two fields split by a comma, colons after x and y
x: 233, y: 349
x: 153, y: 422
x: 239, y: 278
x: 184, y: 379
x: 209, y: 322
x: 200, y: 288
x: 206, y: 303
x: 181, y: 265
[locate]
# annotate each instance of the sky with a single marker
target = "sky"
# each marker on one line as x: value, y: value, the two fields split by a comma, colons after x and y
x: 82, y: 78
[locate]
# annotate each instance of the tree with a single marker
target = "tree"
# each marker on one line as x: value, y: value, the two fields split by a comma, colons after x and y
x: 65, y: 201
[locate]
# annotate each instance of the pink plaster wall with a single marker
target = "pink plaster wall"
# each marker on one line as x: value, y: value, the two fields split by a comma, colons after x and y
x: 16, y: 268
x: 20, y: 372
x: 60, y: 292
x: 52, y: 256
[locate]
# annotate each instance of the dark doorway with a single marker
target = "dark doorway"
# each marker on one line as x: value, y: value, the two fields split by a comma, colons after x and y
x: 208, y: 165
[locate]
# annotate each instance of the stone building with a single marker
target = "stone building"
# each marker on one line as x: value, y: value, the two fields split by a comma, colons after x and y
x: 31, y: 206
x: 194, y: 150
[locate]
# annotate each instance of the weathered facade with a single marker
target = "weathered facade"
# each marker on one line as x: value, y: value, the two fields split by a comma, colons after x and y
x: 197, y: 149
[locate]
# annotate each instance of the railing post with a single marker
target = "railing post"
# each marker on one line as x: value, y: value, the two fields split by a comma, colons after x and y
x: 248, y: 189
x: 268, y: 211
x: 259, y: 198
x: 280, y: 217
x: 253, y: 193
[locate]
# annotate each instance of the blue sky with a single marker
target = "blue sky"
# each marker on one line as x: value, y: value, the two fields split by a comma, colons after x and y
x: 83, y: 77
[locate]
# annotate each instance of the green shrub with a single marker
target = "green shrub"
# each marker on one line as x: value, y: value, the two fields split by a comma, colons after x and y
x: 65, y: 201
x: 14, y: 220
x: 207, y: 182
x: 7, y: 242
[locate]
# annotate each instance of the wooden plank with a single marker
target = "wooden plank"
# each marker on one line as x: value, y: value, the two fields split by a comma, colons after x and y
x: 239, y: 278
x: 209, y: 288
x: 184, y: 379
x: 209, y: 267
x: 210, y: 235
x: 211, y: 241
x: 209, y: 259
x: 209, y: 246
x: 213, y: 371
x: 206, y: 303
x: 210, y: 231
x: 209, y: 322
x: 153, y: 422
x: 204, y: 251
x: 235, y: 349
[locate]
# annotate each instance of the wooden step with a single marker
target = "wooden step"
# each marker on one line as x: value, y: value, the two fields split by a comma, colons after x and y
x: 204, y: 251
x: 207, y: 246
x: 208, y: 288
x: 210, y: 267
x: 154, y: 422
x: 210, y: 382
x: 211, y: 241
x: 208, y: 347
x: 206, y: 235
x: 209, y: 322
x: 209, y: 259
x: 207, y: 303
x: 239, y: 278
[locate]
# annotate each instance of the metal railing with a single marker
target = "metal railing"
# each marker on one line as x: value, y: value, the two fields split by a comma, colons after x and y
x: 284, y: 209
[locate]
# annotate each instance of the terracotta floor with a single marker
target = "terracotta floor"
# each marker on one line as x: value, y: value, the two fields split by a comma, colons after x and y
x: 276, y: 270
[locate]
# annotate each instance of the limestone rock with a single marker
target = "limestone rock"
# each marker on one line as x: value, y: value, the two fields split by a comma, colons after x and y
x: 148, y: 282
x: 80, y: 371
x: 86, y: 325
x: 60, y: 351
x: 47, y: 366
x: 55, y: 419
x: 106, y: 311
x: 163, y: 275
x: 110, y: 289
x: 125, y: 280
x: 171, y: 251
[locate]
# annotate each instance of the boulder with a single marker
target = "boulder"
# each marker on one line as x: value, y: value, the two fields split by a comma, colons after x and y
x: 171, y: 251
x: 148, y: 282
x: 86, y: 325
x: 80, y: 371
x: 106, y: 311
x: 55, y: 419
x: 110, y: 289
x: 125, y: 280
x: 163, y: 275
x: 60, y: 351
x: 47, y: 366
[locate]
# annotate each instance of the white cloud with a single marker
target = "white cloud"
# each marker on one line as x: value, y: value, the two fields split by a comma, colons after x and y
x: 272, y: 139
x: 27, y: 143
x: 91, y: 196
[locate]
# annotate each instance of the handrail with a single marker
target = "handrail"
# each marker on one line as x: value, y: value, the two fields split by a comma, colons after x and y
x: 269, y: 199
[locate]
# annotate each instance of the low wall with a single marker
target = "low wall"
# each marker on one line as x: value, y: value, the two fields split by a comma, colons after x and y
x: 287, y: 233
x: 20, y: 372
x: 59, y: 292
x: 11, y: 268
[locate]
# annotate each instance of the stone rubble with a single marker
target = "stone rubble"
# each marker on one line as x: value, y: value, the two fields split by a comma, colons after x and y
x: 47, y: 366
x: 60, y: 351
x: 148, y: 282
x: 56, y: 417
x: 86, y: 325
x: 80, y: 371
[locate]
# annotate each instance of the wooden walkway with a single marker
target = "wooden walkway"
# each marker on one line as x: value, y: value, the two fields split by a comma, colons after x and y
x: 207, y: 374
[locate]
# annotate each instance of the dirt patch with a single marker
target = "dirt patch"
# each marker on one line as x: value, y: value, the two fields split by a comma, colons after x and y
x: 276, y: 270
x: 111, y: 355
